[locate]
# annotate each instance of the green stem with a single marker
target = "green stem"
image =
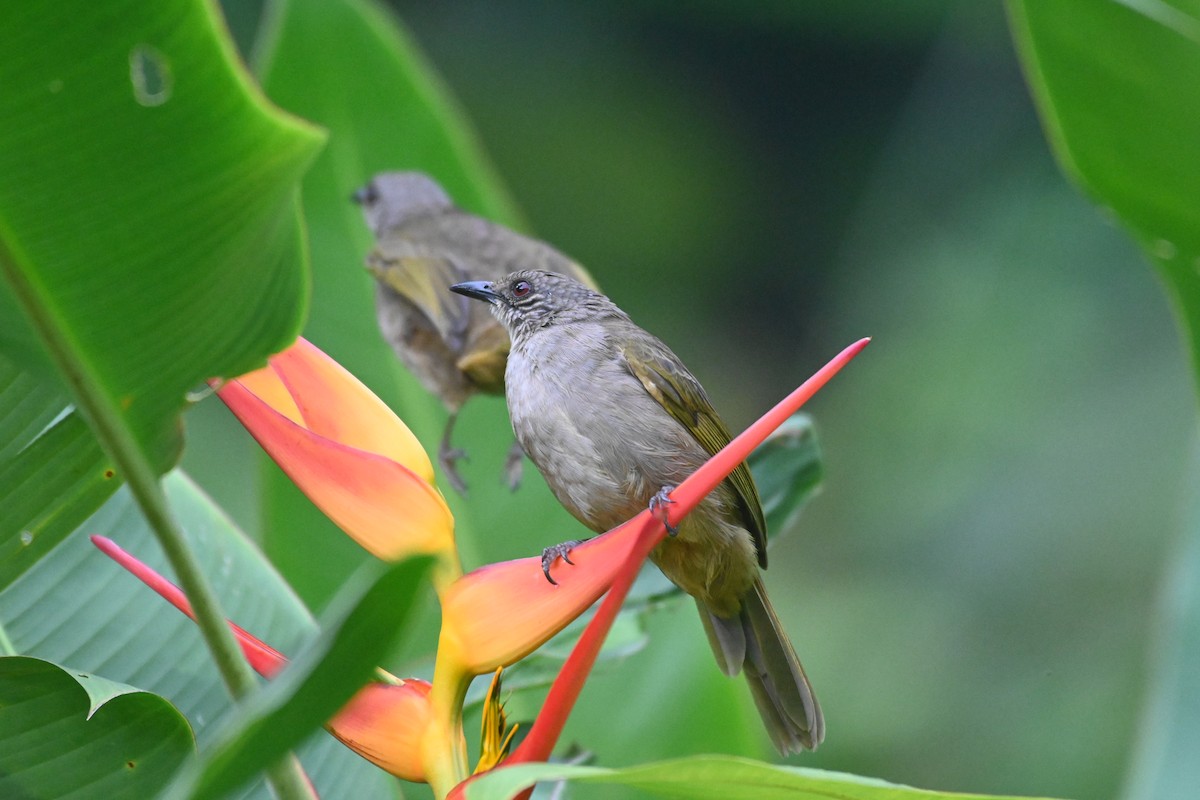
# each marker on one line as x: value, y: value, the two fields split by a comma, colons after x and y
x: 287, y: 779
x: 119, y: 442
x: 445, y: 754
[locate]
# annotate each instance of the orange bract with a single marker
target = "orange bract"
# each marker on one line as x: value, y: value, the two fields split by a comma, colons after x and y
x: 385, y: 724
x: 500, y: 613
x: 345, y: 450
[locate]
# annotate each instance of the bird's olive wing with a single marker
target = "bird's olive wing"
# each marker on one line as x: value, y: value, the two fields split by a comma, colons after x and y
x: 666, y: 380
x: 424, y: 280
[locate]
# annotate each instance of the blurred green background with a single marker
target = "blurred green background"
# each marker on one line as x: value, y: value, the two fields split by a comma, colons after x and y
x: 973, y: 592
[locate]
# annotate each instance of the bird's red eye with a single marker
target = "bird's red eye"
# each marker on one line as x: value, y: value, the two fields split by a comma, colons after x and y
x: 521, y: 289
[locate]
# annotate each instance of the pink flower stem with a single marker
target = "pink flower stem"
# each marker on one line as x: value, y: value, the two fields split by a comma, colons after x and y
x: 265, y: 659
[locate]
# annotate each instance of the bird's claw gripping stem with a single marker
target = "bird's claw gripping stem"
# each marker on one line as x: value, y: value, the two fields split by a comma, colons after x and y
x: 562, y: 551
x: 658, y: 507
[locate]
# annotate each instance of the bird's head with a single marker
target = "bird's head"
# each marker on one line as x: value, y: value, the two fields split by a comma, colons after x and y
x: 393, y: 198
x: 528, y: 300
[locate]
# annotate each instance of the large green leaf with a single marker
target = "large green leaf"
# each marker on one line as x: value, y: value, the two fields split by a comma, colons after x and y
x: 79, y: 608
x: 66, y: 734
x: 53, y: 473
x: 715, y: 777
x: 1118, y: 87
x: 787, y: 470
x: 148, y: 229
x: 27, y: 407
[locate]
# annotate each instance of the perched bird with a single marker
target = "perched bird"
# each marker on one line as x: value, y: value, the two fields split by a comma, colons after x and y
x: 423, y: 244
x: 611, y: 417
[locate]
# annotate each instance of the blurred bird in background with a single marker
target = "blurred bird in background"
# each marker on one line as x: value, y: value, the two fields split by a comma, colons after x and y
x: 423, y: 245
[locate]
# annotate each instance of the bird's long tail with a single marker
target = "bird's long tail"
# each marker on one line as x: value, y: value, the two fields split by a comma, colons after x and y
x: 754, y: 642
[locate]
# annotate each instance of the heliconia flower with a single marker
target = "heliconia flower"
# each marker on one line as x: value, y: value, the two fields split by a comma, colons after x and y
x: 346, y: 450
x: 324, y: 429
x: 384, y: 722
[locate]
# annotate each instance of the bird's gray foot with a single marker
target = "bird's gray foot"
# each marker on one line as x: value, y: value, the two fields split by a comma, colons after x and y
x: 514, y: 466
x: 448, y: 455
x: 658, y: 507
x: 562, y: 551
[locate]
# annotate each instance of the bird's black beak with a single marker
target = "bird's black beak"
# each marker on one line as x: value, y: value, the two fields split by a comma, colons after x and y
x: 480, y: 290
x: 364, y: 195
